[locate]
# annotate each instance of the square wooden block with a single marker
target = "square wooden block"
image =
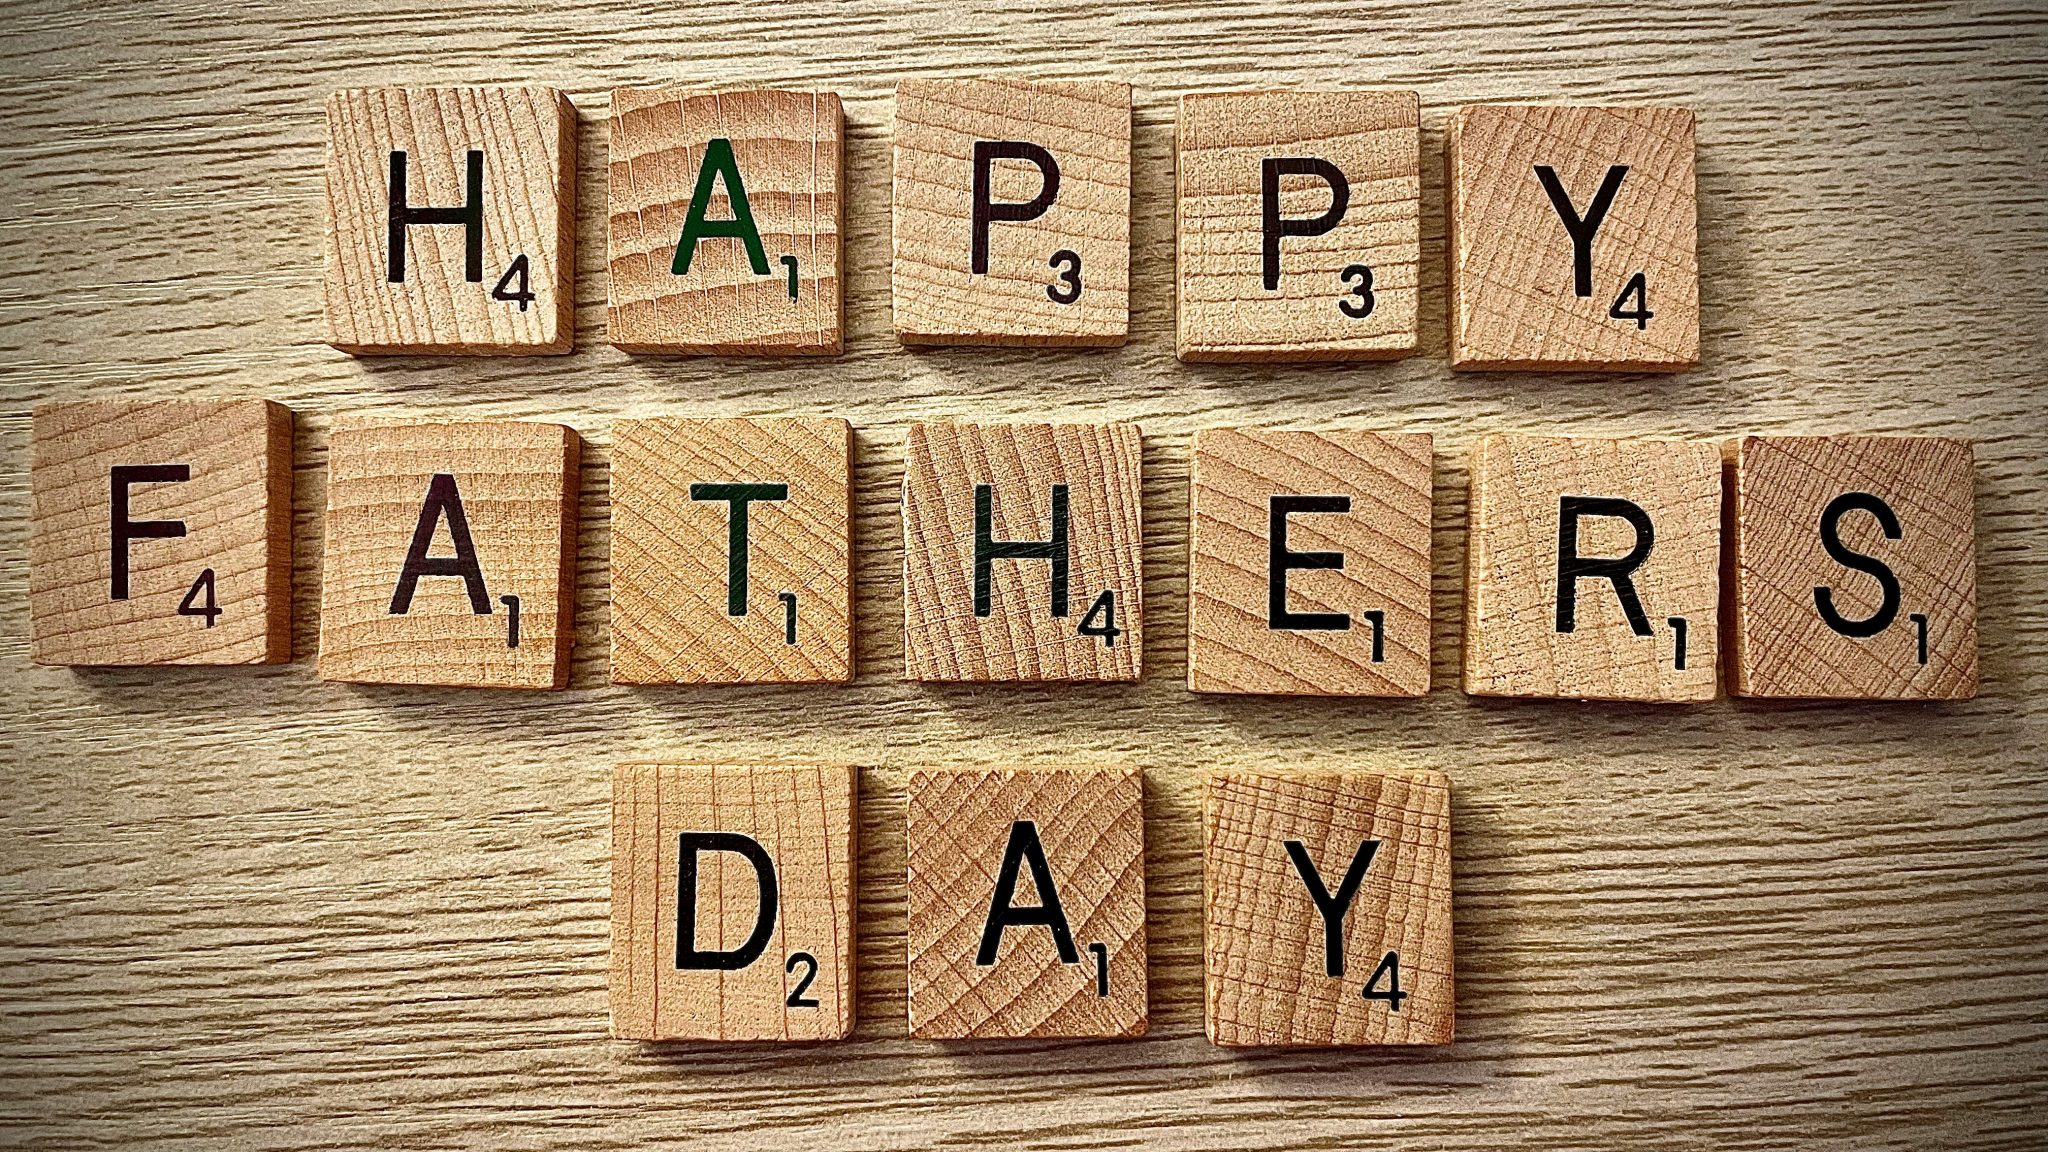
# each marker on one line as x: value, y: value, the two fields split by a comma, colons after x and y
x: 732, y: 902
x: 451, y: 221
x: 451, y: 555
x: 1309, y: 563
x: 1327, y: 908
x: 1022, y: 552
x: 1855, y: 568
x: 1573, y: 239
x: 1027, y: 903
x: 1594, y: 569
x: 723, y: 229
x: 1013, y: 212
x: 160, y: 532
x: 731, y: 562
x: 1299, y: 226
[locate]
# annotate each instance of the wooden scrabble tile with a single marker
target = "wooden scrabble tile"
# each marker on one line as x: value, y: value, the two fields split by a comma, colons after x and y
x: 1026, y: 903
x: 1299, y: 226
x: 1594, y: 569
x: 451, y: 221
x: 1327, y: 908
x: 451, y: 555
x: 731, y: 562
x: 1855, y: 568
x: 1022, y: 552
x: 160, y: 533
x: 1573, y: 239
x: 1309, y: 563
x: 1013, y: 212
x: 732, y: 902
x: 724, y: 222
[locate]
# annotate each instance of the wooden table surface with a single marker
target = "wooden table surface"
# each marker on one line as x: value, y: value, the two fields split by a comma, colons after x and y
x: 250, y: 909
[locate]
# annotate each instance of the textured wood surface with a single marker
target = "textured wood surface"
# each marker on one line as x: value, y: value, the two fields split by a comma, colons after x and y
x: 1077, y: 884
x: 785, y: 147
x: 257, y: 910
x: 1546, y: 516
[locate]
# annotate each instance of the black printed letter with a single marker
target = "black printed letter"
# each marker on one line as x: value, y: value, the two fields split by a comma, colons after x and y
x: 470, y: 216
x: 986, y: 153
x: 1572, y: 568
x: 442, y: 498
x: 1333, y: 908
x: 1277, y: 226
x: 1887, y: 581
x: 1025, y: 848
x: 987, y: 548
x: 688, y: 846
x: 1582, y: 228
x: 125, y: 529
x: 737, y: 496
x: 1281, y: 561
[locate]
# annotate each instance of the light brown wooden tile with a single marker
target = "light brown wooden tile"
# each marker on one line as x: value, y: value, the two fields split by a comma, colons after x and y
x: 1638, y: 593
x: 1889, y: 612
x: 1026, y: 903
x: 761, y: 857
x: 1353, y: 567
x: 160, y: 533
x: 524, y: 222
x: 1055, y: 274
x: 1022, y: 629
x: 1518, y: 299
x: 1329, y: 269
x: 393, y: 490
x: 1292, y: 957
x: 680, y: 489
x: 764, y: 279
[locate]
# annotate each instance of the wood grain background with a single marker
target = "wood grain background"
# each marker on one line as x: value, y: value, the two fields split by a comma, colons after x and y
x: 253, y: 910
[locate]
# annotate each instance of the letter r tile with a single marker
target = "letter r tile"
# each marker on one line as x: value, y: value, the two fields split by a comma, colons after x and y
x: 451, y: 555
x: 1327, y: 908
x: 1026, y: 903
x: 477, y: 187
x: 1022, y: 552
x: 1593, y: 571
x: 732, y: 911
x: 1573, y: 239
x: 730, y: 552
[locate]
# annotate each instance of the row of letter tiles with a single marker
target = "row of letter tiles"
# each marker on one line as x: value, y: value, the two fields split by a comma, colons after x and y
x: 1327, y: 904
x: 451, y: 213
x: 1597, y: 568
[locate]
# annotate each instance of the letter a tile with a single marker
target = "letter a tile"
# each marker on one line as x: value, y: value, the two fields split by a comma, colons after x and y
x: 730, y: 556
x: 1327, y: 908
x: 1022, y: 552
x: 724, y: 222
x: 1594, y: 569
x: 1310, y: 563
x: 1855, y: 572
x: 732, y: 902
x: 1026, y: 903
x: 451, y: 555
x: 451, y: 221
x: 160, y: 533
x: 1573, y: 239
x: 1299, y: 221
x: 1012, y: 212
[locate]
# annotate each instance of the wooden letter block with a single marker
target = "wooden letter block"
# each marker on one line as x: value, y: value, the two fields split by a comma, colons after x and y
x: 732, y: 902
x: 1299, y: 224
x: 731, y: 561
x: 1310, y: 563
x: 1594, y: 569
x: 1855, y: 570
x: 451, y: 221
x: 1327, y: 908
x: 1013, y: 212
x: 724, y: 222
x: 1022, y: 552
x: 160, y: 533
x: 451, y: 555
x: 1573, y: 239
x: 1027, y: 903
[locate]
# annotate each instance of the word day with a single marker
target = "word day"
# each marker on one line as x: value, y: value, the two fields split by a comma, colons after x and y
x: 1597, y: 568
x: 451, y: 224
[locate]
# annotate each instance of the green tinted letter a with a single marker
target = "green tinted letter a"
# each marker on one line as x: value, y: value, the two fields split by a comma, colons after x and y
x: 718, y: 162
